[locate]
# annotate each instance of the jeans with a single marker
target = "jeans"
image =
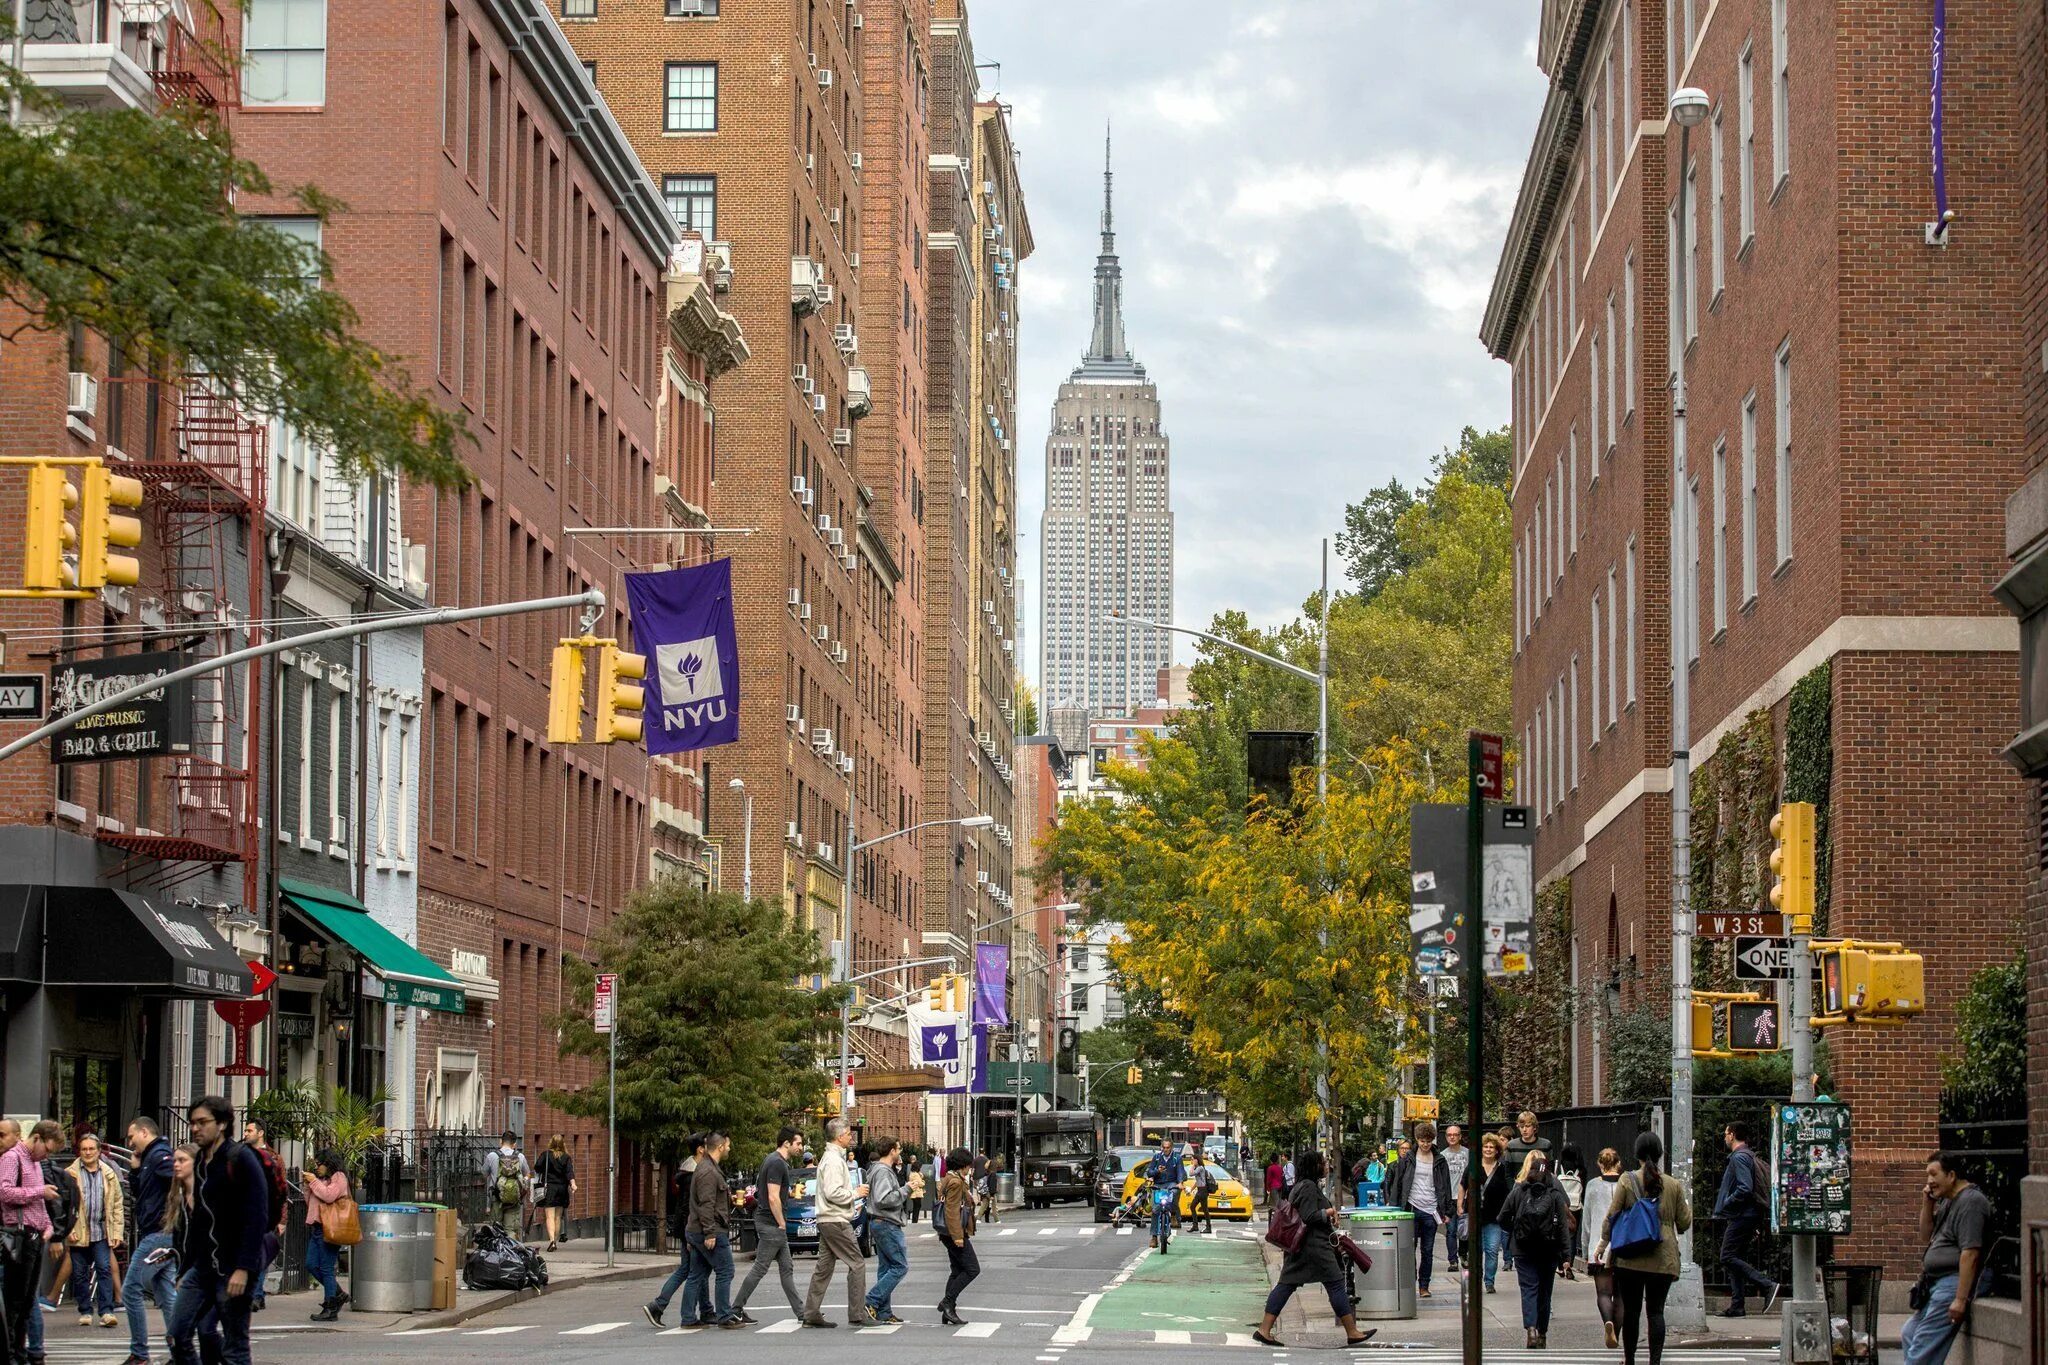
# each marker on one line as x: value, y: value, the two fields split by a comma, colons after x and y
x: 273, y: 1243
x: 321, y: 1259
x: 1425, y: 1246
x: 1640, y: 1289
x: 892, y: 1263
x: 1340, y: 1301
x: 1735, y: 1243
x: 836, y: 1247
x: 772, y: 1248
x: 200, y: 1293
x: 966, y: 1267
x: 1493, y: 1241
x: 674, y: 1282
x: 1928, y: 1334
x: 1198, y: 1210
x: 1454, y: 1232
x: 709, y: 1268
x: 88, y: 1293
x: 35, y: 1325
x: 1537, y: 1278
x: 158, y: 1281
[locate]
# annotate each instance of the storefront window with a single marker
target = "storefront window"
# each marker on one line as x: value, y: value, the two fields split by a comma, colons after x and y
x: 84, y: 1091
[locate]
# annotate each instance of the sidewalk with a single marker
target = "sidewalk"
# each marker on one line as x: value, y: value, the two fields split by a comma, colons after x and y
x: 568, y: 1267
x: 1574, y: 1317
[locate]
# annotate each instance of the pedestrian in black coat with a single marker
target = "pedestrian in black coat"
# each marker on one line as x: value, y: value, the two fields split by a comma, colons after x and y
x: 1315, y: 1260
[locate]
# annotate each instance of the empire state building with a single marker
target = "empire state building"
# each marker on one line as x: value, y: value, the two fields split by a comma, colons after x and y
x: 1107, y: 532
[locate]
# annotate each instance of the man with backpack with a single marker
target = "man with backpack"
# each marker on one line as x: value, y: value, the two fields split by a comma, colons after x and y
x: 509, y: 1177
x: 257, y: 1139
x: 1744, y: 1201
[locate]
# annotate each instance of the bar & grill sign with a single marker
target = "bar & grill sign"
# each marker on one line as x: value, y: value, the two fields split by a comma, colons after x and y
x: 153, y: 723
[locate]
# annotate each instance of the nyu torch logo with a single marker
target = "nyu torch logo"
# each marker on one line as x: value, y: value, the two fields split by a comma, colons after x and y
x: 692, y: 682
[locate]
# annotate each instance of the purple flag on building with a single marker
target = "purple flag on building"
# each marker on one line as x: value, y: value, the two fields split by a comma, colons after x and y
x: 1934, y: 112
x: 991, y: 977
x: 978, y: 1080
x: 682, y: 621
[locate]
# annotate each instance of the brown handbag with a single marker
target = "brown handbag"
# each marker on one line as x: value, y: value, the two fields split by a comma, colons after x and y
x: 340, y: 1226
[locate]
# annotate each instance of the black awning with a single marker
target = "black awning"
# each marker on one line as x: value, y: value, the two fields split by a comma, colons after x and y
x: 21, y: 933
x: 100, y: 936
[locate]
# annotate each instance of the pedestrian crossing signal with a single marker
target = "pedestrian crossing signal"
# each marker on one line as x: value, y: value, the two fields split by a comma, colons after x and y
x: 1753, y: 1027
x: 620, y: 696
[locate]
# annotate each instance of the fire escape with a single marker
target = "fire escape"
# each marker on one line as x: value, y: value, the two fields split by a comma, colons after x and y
x: 203, y: 465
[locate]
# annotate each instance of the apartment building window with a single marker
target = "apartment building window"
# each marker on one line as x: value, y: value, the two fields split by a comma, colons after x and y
x: 1536, y: 759
x: 1613, y: 651
x: 1692, y: 252
x: 1522, y: 769
x: 1745, y: 151
x: 680, y: 9
x: 1593, y: 408
x: 305, y: 820
x: 1634, y: 357
x: 693, y: 200
x: 579, y: 9
x: 1593, y: 678
x: 1749, y: 498
x: 1631, y: 620
x: 1692, y: 570
x: 1613, y: 398
x: 337, y: 764
x: 296, y: 471
x: 1573, y: 703
x: 1781, y: 96
x: 692, y: 99
x: 1716, y: 186
x: 284, y: 43
x: 1572, y: 492
x: 1558, y: 721
x: 1720, y: 535
x: 1784, y: 454
x: 1520, y: 587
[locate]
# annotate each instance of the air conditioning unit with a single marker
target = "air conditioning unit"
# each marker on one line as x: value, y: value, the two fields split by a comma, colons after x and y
x: 843, y: 337
x: 853, y: 257
x: 793, y: 834
x: 832, y: 215
x: 824, y: 521
x: 802, y: 375
x: 858, y: 22
x: 82, y: 396
x: 817, y: 402
x: 806, y: 277
x: 824, y: 633
x: 720, y: 256
x: 803, y: 613
x: 810, y: 163
x: 846, y: 764
x: 824, y: 78
x: 842, y: 436
x: 859, y: 396
x: 808, y: 498
x: 849, y: 562
x: 835, y: 538
x: 856, y: 159
x: 839, y: 654
x: 987, y: 605
x: 1009, y: 646
x: 824, y: 290
x: 686, y: 7
x: 981, y: 879
x: 798, y: 486
x: 796, y: 597
x: 791, y: 715
x: 825, y: 850
x: 821, y: 740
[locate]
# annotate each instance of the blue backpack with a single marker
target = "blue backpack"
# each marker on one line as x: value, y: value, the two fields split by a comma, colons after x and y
x: 1639, y: 1229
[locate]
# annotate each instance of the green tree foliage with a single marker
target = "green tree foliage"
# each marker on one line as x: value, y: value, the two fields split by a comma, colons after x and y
x: 1987, y: 1076
x: 1110, y: 1093
x: 715, y: 1028
x: 122, y: 222
x: 1370, y: 543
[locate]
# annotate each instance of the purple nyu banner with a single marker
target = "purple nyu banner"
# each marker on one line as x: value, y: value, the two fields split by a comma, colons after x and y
x: 1934, y: 110
x: 682, y: 622
x: 991, y: 979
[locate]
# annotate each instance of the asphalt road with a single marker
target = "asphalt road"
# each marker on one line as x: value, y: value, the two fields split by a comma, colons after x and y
x: 1056, y: 1288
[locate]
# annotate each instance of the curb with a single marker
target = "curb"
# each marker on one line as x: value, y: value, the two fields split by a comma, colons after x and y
x: 455, y: 1317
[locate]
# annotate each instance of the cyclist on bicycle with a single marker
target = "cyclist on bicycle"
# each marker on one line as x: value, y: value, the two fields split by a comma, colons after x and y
x: 1166, y: 1172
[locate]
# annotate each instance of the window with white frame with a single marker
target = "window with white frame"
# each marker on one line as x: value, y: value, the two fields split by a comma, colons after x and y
x: 305, y: 822
x: 1613, y: 651
x: 1573, y: 707
x: 1749, y: 497
x: 1593, y: 677
x: 1692, y: 570
x: 1745, y: 151
x: 1720, y: 535
x: 1784, y: 454
x: 1572, y: 495
x: 1613, y: 394
x: 337, y: 764
x: 1632, y: 620
x: 691, y: 98
x: 284, y: 52
x: 579, y: 9
x: 1633, y: 358
x: 1593, y: 405
x: 1781, y: 95
x: 1692, y: 252
x: 1716, y: 186
x: 297, y: 475
x: 381, y: 813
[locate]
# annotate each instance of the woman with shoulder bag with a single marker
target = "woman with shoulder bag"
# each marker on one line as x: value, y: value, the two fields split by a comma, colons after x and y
x: 1536, y: 1218
x: 1643, y: 1247
x: 956, y: 1232
x: 555, y: 1173
x: 1313, y: 1259
x: 326, y: 1188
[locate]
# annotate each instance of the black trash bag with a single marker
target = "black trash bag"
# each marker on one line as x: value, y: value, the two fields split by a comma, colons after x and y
x: 498, y: 1261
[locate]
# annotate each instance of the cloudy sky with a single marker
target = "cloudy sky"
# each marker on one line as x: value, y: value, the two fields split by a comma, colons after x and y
x: 1311, y: 197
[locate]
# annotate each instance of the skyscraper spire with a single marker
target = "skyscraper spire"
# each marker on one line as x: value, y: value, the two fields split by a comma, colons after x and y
x: 1107, y: 344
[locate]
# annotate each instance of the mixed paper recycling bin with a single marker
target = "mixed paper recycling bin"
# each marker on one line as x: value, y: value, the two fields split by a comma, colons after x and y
x: 1387, y: 1291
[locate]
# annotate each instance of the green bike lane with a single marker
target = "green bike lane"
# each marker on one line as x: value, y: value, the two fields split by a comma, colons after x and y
x: 1201, y: 1285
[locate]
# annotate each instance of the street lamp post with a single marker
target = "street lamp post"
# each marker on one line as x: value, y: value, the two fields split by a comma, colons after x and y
x: 746, y: 838
x: 1687, y: 1309
x: 1321, y: 678
x: 845, y: 954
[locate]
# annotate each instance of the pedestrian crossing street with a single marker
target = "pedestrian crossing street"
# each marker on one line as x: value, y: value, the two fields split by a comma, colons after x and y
x: 1099, y: 1230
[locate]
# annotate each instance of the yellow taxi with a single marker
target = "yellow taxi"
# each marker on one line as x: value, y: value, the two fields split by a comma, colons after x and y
x: 1229, y: 1200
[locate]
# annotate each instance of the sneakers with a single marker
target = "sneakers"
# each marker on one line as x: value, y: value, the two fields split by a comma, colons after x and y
x: 107, y: 1319
x: 1733, y: 1311
x: 85, y: 1319
x: 743, y: 1317
x: 651, y: 1313
x: 818, y: 1322
x: 1771, y: 1296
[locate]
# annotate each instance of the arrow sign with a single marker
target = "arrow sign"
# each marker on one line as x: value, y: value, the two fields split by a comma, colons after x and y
x: 1763, y: 959
x: 261, y: 979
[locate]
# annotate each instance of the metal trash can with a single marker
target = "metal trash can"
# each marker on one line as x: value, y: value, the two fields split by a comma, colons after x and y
x: 1852, y: 1294
x: 1004, y: 1183
x: 422, y: 1258
x: 1387, y: 1291
x: 383, y: 1265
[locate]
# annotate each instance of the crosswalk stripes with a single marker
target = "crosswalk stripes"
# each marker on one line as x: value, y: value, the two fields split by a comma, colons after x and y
x: 498, y: 1331
x: 594, y: 1329
x: 978, y: 1329
x: 780, y: 1325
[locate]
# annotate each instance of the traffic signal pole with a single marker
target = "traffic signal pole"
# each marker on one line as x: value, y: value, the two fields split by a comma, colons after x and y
x: 592, y: 602
x: 1475, y: 1075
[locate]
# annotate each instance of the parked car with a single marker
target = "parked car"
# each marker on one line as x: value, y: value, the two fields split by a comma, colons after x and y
x: 1110, y: 1170
x: 799, y: 1212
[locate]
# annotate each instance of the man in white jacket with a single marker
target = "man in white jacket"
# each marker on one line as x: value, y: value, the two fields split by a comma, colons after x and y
x: 838, y: 1201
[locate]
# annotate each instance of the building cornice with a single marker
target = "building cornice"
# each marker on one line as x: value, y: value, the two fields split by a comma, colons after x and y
x: 701, y: 327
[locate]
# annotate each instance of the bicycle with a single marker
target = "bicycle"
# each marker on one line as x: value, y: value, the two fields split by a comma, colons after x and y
x: 1162, y: 1216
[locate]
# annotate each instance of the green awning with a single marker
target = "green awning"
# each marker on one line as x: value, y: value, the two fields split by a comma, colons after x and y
x: 409, y: 976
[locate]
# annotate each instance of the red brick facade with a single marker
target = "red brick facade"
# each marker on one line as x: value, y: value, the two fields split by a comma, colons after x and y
x: 1881, y: 372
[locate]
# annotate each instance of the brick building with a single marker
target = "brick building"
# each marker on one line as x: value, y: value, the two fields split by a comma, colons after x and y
x: 1851, y: 442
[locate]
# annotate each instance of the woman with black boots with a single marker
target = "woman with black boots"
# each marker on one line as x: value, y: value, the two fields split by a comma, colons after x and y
x: 956, y: 1231
x: 326, y: 1183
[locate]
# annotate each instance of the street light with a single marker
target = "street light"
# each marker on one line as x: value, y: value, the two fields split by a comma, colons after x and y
x: 1321, y: 678
x: 843, y: 975
x: 1689, y: 109
x: 746, y: 839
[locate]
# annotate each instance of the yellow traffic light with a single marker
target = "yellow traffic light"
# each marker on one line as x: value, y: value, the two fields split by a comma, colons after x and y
x: 957, y: 997
x: 565, y: 694
x: 1703, y: 1030
x: 102, y: 525
x: 619, y: 693
x: 1792, y: 863
x: 935, y: 996
x: 1134, y: 1075
x: 51, y: 536
x: 1870, y: 983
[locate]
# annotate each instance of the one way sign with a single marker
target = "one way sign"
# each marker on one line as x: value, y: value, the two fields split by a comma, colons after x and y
x: 1763, y: 959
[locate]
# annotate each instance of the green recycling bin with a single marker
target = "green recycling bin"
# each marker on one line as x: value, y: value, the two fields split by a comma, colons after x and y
x: 1387, y: 1291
